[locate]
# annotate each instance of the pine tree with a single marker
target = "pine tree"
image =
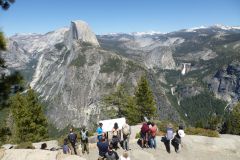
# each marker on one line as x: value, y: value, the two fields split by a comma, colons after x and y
x: 117, y: 101
x: 234, y: 121
x: 145, y: 99
x: 132, y: 112
x: 29, y: 121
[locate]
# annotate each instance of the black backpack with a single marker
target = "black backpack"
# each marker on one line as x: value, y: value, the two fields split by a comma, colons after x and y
x: 72, y: 137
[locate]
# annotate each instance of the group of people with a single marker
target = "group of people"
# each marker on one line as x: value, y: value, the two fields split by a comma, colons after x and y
x: 148, y: 136
x: 106, y: 147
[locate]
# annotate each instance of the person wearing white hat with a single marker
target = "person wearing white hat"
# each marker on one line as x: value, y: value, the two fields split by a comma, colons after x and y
x: 177, y: 138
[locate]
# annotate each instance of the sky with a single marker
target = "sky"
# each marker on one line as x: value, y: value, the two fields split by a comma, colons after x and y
x: 110, y: 16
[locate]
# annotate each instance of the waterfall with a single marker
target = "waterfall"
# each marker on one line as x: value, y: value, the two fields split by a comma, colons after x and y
x: 184, y: 69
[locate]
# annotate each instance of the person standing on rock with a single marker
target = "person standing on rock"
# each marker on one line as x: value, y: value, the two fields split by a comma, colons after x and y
x: 153, y: 132
x: 111, y: 155
x: 72, y: 137
x: 126, y: 130
x: 144, y: 134
x: 99, y: 132
x: 177, y: 138
x: 102, y: 148
x: 169, y: 137
x: 84, y: 140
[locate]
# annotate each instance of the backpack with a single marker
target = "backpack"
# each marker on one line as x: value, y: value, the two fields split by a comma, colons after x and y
x: 115, y: 132
x: 72, y: 137
x: 84, y: 135
x: 126, y: 130
x: 169, y: 134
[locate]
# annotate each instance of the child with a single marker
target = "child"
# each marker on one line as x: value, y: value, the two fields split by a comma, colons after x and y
x: 66, y: 149
x: 125, y: 156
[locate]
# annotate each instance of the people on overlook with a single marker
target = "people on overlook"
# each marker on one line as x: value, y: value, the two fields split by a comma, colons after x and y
x: 152, y: 134
x: 115, y: 136
x: 169, y: 137
x: 84, y: 140
x: 177, y: 138
x: 72, y: 137
x: 126, y: 131
x: 99, y: 132
x: 125, y: 156
x: 144, y: 135
x: 66, y: 148
x: 102, y: 148
x: 111, y: 155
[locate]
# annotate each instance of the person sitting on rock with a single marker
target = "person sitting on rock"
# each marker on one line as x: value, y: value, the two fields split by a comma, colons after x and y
x: 111, y: 155
x: 102, y: 148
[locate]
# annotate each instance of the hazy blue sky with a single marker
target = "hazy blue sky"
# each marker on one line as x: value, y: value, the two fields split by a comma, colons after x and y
x: 105, y: 16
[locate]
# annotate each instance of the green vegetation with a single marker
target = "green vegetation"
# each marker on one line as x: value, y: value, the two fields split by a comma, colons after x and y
x: 134, y: 108
x: 29, y: 122
x: 234, y: 121
x: 79, y: 61
x: 201, y: 107
x: 2, y: 42
x: 201, y: 132
x: 111, y: 65
x: 145, y: 99
x: 162, y: 125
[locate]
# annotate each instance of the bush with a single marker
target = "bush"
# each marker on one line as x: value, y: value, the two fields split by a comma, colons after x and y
x: 162, y: 125
x: 137, y: 136
x: 25, y: 145
x: 201, y: 132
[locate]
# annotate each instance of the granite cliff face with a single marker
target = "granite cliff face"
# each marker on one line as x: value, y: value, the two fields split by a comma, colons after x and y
x: 72, y: 69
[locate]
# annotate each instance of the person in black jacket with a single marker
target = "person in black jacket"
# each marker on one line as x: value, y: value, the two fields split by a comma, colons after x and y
x: 72, y: 137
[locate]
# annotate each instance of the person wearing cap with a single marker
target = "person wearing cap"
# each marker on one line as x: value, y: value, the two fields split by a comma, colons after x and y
x: 177, y: 138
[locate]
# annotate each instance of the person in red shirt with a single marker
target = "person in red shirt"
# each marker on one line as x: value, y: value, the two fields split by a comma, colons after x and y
x: 153, y: 132
x: 144, y: 134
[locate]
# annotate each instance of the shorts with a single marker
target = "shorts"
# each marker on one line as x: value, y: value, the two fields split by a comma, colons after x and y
x: 143, y: 135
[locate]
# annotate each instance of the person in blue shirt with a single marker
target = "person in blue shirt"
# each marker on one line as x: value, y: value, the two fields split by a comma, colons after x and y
x: 102, y: 148
x: 99, y: 132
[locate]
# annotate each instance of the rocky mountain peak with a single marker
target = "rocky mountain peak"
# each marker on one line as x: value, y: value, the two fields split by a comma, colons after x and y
x: 80, y: 30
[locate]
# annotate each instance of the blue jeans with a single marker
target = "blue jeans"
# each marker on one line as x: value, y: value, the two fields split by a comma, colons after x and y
x: 153, y: 143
